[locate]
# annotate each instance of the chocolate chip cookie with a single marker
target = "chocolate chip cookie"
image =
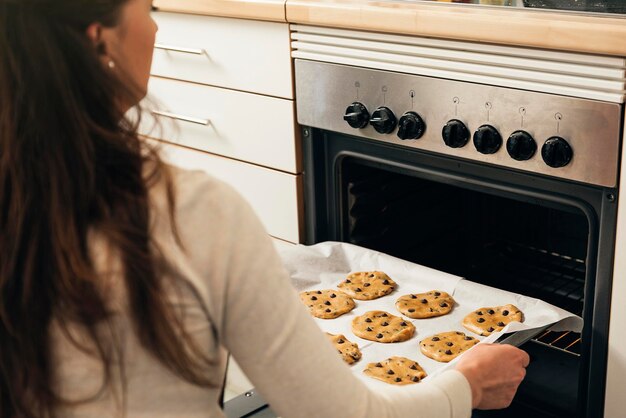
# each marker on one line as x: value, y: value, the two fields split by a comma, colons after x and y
x: 367, y: 285
x: 445, y: 346
x: 382, y: 327
x: 348, y: 350
x: 484, y: 321
x: 425, y: 305
x: 327, y: 304
x: 396, y: 371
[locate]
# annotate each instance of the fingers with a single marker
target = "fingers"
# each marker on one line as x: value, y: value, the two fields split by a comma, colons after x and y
x: 494, y: 387
x: 525, y: 359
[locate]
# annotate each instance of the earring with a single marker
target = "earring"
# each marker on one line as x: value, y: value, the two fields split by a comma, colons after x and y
x: 111, y: 64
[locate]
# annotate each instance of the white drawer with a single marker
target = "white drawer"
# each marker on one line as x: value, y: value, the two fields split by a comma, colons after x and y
x: 274, y: 196
x: 238, y: 54
x: 244, y: 126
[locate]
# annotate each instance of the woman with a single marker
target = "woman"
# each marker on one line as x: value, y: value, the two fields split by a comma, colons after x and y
x: 123, y: 281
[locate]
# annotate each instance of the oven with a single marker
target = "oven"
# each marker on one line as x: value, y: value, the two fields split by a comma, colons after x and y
x: 507, y: 182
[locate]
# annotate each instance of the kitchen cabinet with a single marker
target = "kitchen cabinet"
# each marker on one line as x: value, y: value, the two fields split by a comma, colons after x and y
x: 220, y: 99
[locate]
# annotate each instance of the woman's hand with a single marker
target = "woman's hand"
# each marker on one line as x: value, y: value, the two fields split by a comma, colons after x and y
x: 494, y: 372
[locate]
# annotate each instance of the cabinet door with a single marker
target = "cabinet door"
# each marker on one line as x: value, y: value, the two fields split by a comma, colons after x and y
x: 275, y: 196
x: 238, y: 54
x: 244, y: 126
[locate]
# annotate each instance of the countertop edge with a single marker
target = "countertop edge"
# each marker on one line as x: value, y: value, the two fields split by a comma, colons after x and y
x: 268, y: 10
x: 520, y: 27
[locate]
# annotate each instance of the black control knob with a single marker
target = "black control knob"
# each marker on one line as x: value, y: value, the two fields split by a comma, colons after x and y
x: 383, y: 120
x: 487, y: 139
x: 521, y: 146
x: 411, y: 126
x: 556, y: 152
x: 357, y: 115
x: 455, y: 134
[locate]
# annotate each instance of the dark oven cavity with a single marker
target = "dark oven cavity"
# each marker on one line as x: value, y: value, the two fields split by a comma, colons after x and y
x: 543, y: 236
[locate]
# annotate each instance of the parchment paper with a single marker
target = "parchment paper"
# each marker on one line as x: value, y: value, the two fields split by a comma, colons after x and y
x: 324, y: 265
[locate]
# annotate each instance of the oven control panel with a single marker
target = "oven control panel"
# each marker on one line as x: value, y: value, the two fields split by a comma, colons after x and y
x: 567, y: 137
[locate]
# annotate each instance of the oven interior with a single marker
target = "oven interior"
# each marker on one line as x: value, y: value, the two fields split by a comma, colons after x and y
x: 537, y: 249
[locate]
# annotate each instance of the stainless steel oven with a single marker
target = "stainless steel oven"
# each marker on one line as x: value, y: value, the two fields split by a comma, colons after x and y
x: 512, y: 188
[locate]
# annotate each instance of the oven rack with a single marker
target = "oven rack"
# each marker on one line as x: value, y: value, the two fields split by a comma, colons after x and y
x: 555, y: 278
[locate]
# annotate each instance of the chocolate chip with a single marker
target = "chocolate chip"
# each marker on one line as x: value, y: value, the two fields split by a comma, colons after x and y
x: 379, y: 335
x: 319, y: 292
x: 459, y: 333
x: 468, y: 338
x: 379, y: 365
x: 313, y: 298
x: 479, y: 313
x: 358, y: 289
x: 505, y: 312
x: 385, y: 315
x: 398, y: 379
x: 437, y: 294
x: 385, y: 281
x: 327, y: 310
x: 371, y: 275
x: 490, y: 329
x: 413, y: 297
x: 327, y: 303
x: 368, y: 319
x: 424, y: 301
x: 435, y: 338
x: 500, y: 324
x: 403, y: 323
x: 449, y: 344
x: 366, y: 285
x: 368, y: 329
x: 332, y: 296
x: 340, y: 341
x: 443, y: 305
x: 490, y: 311
x: 448, y: 352
x: 390, y: 371
x: 415, y: 379
x: 480, y: 320
x: 431, y: 309
x: 411, y: 310
x: 384, y: 324
x: 348, y: 281
x: 413, y: 367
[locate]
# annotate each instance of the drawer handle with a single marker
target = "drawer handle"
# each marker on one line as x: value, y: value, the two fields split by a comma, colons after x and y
x: 198, y: 121
x: 194, y: 51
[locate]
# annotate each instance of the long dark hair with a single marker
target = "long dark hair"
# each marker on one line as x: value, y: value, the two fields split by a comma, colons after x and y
x: 69, y: 163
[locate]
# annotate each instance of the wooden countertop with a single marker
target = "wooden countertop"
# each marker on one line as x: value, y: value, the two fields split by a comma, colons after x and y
x: 599, y: 34
x: 272, y: 10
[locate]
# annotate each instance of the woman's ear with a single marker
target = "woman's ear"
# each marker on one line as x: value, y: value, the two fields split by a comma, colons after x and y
x: 98, y: 36
x: 94, y: 33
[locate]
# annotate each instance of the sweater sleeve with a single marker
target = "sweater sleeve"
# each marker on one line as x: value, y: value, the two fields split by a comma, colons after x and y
x: 284, y: 353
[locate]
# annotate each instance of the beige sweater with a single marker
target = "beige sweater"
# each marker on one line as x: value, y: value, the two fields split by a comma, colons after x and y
x: 254, y: 313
